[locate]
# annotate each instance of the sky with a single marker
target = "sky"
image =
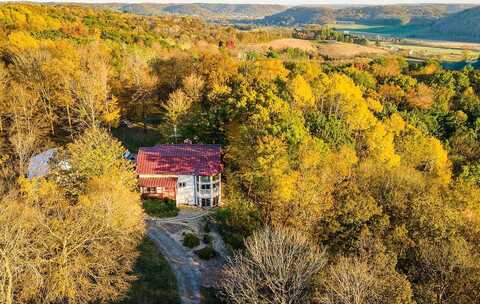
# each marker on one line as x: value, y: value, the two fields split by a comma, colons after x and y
x: 285, y: 2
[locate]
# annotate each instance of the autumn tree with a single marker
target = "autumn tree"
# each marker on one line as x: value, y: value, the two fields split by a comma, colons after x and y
x: 138, y: 84
x: 277, y: 267
x: 94, y: 105
x: 85, y: 244
x: 356, y: 280
x: 421, y: 96
x: 27, y: 128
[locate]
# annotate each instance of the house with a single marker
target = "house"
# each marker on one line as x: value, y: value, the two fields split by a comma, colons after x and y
x: 187, y: 173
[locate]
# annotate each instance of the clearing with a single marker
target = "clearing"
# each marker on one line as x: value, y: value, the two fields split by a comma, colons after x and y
x: 331, y: 49
x: 281, y: 44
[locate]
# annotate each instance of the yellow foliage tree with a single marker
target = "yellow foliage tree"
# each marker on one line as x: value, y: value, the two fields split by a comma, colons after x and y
x: 426, y: 153
x: 21, y: 41
x: 381, y: 146
x: 344, y: 99
x: 301, y: 92
x: 270, y: 69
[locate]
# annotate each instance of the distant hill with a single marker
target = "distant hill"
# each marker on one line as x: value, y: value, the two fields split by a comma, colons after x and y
x: 301, y: 15
x: 463, y: 25
x: 204, y: 10
x: 375, y: 15
x: 397, y: 14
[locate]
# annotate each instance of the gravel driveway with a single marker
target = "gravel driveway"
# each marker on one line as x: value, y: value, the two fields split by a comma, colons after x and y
x: 191, y: 272
x: 182, y: 263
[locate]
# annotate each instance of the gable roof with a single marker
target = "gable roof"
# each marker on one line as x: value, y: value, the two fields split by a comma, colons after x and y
x: 182, y: 159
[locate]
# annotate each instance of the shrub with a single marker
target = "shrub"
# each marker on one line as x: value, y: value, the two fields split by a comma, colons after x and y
x: 160, y: 208
x: 190, y: 240
x: 207, y: 238
x: 206, y: 228
x: 206, y: 253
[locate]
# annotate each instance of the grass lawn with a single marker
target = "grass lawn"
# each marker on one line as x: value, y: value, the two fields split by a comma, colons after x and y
x: 156, y: 283
x: 160, y: 208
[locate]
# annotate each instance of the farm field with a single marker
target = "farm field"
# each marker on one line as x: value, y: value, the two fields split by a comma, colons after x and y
x: 408, y: 30
x: 415, y: 47
x: 444, y: 44
x: 347, y: 50
x: 336, y: 50
x: 281, y: 44
x: 352, y: 26
x: 440, y: 53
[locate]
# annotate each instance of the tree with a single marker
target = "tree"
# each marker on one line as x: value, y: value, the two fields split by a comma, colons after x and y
x: 344, y: 99
x: 420, y: 97
x: 278, y: 267
x: 176, y: 107
x: 301, y: 92
x: 391, y: 93
x: 140, y: 82
x: 94, y: 105
x: 85, y: 244
x: 93, y: 154
x: 425, y: 153
x: 19, y: 259
x: 27, y: 130
x: 354, y: 280
x: 447, y: 272
x: 381, y: 145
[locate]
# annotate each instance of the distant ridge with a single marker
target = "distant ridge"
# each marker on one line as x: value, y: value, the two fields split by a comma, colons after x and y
x: 375, y: 15
x: 462, y: 25
x: 204, y: 10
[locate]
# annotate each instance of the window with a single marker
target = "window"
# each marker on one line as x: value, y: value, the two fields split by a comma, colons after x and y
x: 203, y: 179
x: 215, y: 201
x: 160, y: 189
x: 182, y: 185
x: 205, y: 187
x: 205, y: 202
x: 150, y: 190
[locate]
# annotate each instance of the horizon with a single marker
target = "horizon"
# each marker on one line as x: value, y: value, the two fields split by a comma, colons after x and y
x: 264, y: 2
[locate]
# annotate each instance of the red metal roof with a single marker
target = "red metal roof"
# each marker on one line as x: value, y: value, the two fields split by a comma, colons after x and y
x: 166, y: 182
x: 183, y: 159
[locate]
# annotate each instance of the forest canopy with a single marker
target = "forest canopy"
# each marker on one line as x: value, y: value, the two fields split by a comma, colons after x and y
x: 374, y: 163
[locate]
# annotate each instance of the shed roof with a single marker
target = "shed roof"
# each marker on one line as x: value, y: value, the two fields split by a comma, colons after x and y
x: 180, y: 159
x: 165, y: 182
x: 38, y: 165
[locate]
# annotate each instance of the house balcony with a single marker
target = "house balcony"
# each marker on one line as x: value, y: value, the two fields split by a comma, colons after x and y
x: 208, y: 192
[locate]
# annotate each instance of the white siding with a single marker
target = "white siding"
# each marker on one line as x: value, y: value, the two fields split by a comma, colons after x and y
x: 186, y: 195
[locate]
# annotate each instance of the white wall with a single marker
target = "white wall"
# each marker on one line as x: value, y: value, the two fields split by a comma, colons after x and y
x: 186, y: 195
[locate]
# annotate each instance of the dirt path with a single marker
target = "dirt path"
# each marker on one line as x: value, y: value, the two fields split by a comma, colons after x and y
x: 191, y: 272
